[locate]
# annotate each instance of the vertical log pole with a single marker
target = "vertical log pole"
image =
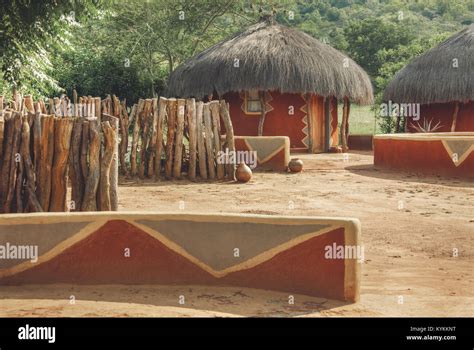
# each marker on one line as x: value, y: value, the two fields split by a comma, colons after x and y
x: 136, y: 133
x: 114, y: 175
x: 172, y: 108
x: 145, y: 126
x: 43, y: 187
x: 209, y: 141
x: 310, y: 120
x: 2, y: 128
x: 92, y: 183
x: 159, y: 136
x: 345, y: 116
x: 77, y: 179
x: 200, y: 141
x: 124, y: 129
x: 191, y: 119
x: 153, y: 136
x: 11, y: 163
x: 225, y: 115
x: 178, y: 151
x: 62, y: 143
x: 110, y: 140
x: 455, y: 116
x: 216, y: 131
x: 263, y: 104
x: 32, y: 200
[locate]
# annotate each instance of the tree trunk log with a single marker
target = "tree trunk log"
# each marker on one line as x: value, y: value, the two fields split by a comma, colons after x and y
x: 110, y: 139
x: 159, y: 135
x: 191, y: 119
x: 455, y: 116
x: 225, y: 115
x: 178, y: 151
x: 145, y: 128
x: 92, y: 183
x: 136, y: 133
x: 209, y: 141
x: 32, y: 201
x: 263, y: 113
x: 200, y: 140
x: 43, y: 183
x: 216, y: 131
x: 62, y: 144
x: 345, y: 117
x: 12, y: 165
x: 172, y: 108
x: 77, y: 180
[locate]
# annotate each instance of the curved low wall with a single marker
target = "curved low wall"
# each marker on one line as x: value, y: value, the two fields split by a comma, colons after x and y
x: 446, y: 154
x: 288, y: 254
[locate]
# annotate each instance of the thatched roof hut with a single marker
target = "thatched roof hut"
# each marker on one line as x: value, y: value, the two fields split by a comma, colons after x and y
x: 269, y: 71
x: 272, y: 57
x: 441, y: 81
x: 443, y: 74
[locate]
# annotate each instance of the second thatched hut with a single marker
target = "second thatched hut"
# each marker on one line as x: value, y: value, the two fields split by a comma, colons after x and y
x: 441, y: 81
x: 279, y: 82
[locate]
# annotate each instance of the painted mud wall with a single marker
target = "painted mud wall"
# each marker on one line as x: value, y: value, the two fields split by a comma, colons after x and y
x: 267, y: 252
x: 443, y: 113
x: 430, y: 154
x: 279, y: 121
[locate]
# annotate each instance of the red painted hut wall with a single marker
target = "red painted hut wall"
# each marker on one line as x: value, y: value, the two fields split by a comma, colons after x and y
x: 443, y: 112
x: 277, y: 121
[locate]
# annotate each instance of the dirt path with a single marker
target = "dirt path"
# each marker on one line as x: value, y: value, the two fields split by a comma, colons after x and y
x: 410, y: 226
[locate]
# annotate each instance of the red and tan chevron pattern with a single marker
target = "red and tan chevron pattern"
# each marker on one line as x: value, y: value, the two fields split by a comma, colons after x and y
x: 273, y: 152
x: 446, y: 154
x: 266, y: 252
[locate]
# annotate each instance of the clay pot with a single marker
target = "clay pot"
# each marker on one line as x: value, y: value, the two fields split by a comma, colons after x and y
x: 295, y: 165
x: 243, y: 173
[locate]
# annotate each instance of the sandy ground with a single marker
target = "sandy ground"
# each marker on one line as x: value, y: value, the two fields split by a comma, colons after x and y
x: 409, y: 267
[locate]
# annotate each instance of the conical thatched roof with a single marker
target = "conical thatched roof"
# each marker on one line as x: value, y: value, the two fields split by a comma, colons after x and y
x: 271, y: 57
x: 433, y: 77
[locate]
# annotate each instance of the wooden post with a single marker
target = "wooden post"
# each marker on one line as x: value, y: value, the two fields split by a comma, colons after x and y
x: 62, y: 143
x: 28, y: 103
x: 225, y: 115
x: 97, y: 108
x: 159, y: 135
x: 191, y: 119
x: 154, y: 134
x: 84, y: 151
x: 110, y: 141
x: 114, y: 123
x: 178, y: 151
x: 263, y: 104
x: 136, y: 132
x: 2, y: 128
x: 92, y: 183
x: 172, y: 108
x: 455, y: 116
x: 209, y: 141
x: 43, y: 187
x: 309, y: 117
x: 123, y: 118
x: 145, y: 125
x: 1, y: 105
x: 32, y: 200
x: 200, y: 141
x: 216, y: 131
x: 10, y: 162
x: 77, y: 179
x: 345, y: 116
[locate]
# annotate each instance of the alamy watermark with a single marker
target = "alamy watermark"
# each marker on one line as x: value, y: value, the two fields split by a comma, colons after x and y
x: 406, y: 110
x: 19, y: 252
x: 237, y: 157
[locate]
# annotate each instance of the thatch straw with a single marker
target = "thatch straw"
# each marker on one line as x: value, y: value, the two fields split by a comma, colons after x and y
x: 272, y: 57
x: 433, y: 77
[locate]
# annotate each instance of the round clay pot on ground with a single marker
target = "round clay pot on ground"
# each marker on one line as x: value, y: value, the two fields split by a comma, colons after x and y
x: 295, y: 165
x: 243, y: 173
